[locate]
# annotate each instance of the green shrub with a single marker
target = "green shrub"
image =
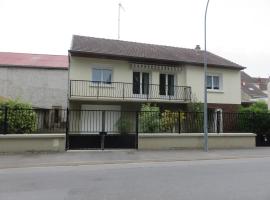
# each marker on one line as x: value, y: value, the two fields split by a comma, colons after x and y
x: 193, y: 121
x: 20, y: 116
x: 255, y: 118
x: 124, y: 125
x: 170, y: 120
x: 257, y: 107
x: 149, y: 119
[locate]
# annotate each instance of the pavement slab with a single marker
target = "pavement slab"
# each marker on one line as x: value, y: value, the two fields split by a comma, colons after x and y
x: 94, y: 157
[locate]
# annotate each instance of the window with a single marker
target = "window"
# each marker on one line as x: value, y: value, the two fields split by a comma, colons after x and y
x: 213, y: 82
x: 166, y: 84
x: 102, y: 75
x: 141, y: 82
x: 136, y: 82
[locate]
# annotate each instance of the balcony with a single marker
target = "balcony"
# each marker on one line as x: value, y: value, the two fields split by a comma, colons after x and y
x: 128, y: 91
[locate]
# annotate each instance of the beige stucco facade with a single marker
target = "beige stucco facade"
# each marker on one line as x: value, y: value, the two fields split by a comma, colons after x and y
x: 230, y: 92
x: 186, y: 75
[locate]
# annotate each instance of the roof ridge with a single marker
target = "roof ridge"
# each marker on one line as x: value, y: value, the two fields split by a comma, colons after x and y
x: 32, y: 53
x: 138, y: 50
x: 109, y: 39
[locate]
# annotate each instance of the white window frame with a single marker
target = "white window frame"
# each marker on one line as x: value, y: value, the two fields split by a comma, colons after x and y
x: 141, y: 72
x: 166, y: 81
x: 212, y: 75
x: 102, y: 68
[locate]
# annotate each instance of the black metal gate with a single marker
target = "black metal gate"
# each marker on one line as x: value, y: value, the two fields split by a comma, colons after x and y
x: 96, y: 129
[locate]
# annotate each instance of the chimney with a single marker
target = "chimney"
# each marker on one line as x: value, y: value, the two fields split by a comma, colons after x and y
x: 197, y: 47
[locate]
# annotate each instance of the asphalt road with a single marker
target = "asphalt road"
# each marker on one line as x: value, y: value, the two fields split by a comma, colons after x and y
x: 205, y: 179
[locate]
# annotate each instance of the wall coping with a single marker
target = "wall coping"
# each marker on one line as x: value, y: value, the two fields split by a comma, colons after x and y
x: 149, y: 135
x: 33, y: 136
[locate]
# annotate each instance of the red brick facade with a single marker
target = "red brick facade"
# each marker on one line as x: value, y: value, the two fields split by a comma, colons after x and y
x: 225, y: 107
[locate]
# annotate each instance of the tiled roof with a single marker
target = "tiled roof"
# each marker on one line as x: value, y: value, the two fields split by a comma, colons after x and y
x: 262, y: 82
x: 253, y: 91
x: 246, y: 78
x: 133, y: 50
x: 249, y: 87
x: 33, y: 60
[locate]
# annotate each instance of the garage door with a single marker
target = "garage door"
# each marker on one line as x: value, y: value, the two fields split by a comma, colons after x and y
x: 91, y: 118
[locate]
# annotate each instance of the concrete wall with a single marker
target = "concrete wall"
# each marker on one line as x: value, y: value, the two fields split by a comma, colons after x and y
x: 230, y: 93
x: 195, y: 141
x: 43, y: 88
x: 17, y: 143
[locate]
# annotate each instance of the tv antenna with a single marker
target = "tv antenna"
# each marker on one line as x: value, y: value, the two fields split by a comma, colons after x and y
x: 119, y: 13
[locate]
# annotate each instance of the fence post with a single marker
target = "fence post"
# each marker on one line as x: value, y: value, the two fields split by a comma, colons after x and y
x: 6, y: 120
x: 102, y: 133
x: 67, y: 130
x: 179, y: 122
x: 137, y: 131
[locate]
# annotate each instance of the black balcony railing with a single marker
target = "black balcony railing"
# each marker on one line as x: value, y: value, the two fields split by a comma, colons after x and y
x: 120, y: 90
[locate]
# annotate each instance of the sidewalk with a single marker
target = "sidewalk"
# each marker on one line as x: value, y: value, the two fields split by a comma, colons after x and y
x: 94, y: 157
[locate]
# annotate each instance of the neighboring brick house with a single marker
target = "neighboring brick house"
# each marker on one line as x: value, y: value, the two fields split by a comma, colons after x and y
x: 35, y: 78
x: 253, y: 89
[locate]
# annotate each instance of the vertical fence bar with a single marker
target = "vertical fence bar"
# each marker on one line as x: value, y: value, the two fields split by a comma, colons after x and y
x: 179, y: 122
x: 137, y: 130
x: 6, y: 120
x: 67, y: 129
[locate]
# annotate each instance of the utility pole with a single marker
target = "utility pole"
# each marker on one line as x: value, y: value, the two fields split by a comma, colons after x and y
x: 205, y: 118
x: 119, y: 13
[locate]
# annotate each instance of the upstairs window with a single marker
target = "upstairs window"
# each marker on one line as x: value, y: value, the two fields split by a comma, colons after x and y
x: 102, y: 75
x: 166, y: 84
x: 213, y: 82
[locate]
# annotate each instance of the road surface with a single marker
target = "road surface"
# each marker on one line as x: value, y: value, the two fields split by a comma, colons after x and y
x: 228, y: 179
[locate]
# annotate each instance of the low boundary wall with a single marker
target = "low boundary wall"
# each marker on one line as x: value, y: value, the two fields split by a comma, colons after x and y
x: 161, y: 141
x: 16, y: 143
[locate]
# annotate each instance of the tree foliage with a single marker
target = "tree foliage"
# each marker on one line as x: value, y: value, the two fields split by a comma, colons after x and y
x: 149, y: 119
x: 170, y: 120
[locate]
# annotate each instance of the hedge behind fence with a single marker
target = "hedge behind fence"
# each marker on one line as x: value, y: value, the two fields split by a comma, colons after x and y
x: 20, y: 117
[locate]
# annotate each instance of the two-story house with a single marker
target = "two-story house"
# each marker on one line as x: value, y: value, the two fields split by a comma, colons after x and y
x: 107, y: 74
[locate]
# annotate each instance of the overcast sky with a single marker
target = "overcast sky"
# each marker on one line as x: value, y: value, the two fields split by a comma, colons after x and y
x: 237, y: 29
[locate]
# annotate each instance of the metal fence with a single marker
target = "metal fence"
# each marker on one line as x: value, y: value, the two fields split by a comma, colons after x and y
x: 20, y: 121
x: 120, y: 90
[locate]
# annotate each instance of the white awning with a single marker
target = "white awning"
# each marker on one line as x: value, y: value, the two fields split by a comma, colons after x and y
x: 141, y: 66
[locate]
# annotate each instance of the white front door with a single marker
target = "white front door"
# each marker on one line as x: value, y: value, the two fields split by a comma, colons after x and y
x: 91, y: 118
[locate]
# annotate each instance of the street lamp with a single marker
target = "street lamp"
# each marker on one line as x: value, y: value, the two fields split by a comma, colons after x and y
x: 205, y: 119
